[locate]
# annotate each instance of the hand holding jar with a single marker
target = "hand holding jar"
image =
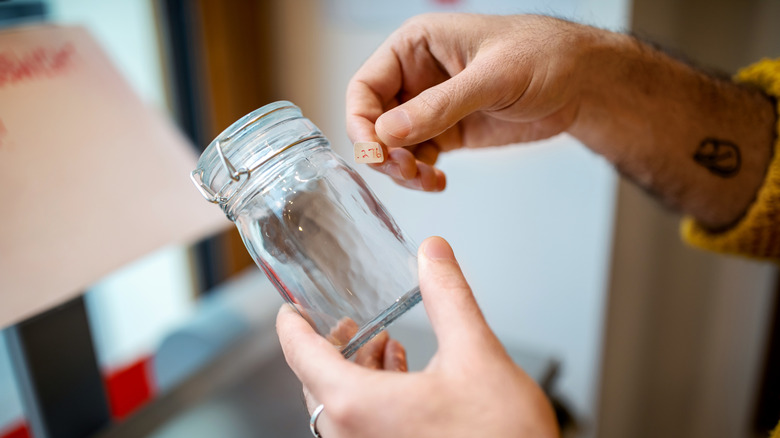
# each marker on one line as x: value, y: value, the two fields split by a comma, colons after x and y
x: 471, y: 387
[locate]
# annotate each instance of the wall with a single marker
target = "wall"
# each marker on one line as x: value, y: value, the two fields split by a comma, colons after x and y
x: 685, y: 329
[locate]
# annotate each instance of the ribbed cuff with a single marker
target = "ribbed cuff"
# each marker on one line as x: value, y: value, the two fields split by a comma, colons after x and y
x: 757, y: 234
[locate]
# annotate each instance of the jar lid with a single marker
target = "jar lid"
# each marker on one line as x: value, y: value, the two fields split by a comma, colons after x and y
x: 228, y: 161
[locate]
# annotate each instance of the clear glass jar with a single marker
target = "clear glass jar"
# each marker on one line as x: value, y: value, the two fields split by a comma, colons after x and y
x: 311, y: 223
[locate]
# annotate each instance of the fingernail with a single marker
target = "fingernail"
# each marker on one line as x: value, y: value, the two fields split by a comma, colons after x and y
x: 437, y: 248
x: 441, y: 180
x: 396, y: 123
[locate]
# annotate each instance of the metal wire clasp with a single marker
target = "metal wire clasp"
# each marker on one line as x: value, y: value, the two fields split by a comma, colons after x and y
x: 235, y: 174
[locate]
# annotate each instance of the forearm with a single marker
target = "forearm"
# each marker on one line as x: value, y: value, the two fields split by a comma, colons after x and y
x: 699, y: 143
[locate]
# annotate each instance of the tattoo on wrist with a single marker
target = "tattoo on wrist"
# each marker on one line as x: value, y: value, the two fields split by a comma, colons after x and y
x: 720, y: 157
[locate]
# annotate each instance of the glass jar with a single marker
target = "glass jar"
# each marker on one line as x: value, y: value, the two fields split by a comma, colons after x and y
x: 311, y: 223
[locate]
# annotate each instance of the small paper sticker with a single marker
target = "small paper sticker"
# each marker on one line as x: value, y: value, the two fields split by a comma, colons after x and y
x: 368, y: 152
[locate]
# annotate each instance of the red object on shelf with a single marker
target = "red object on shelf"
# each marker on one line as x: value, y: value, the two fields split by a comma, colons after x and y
x: 17, y: 431
x: 129, y: 388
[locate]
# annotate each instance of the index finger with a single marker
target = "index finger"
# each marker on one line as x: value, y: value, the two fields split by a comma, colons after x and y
x: 372, y: 88
x: 370, y: 93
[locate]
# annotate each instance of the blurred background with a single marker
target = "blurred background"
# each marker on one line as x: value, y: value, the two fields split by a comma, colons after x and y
x: 581, y: 275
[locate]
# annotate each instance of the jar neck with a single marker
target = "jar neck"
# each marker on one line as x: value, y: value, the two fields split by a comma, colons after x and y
x: 247, y: 146
x: 262, y: 178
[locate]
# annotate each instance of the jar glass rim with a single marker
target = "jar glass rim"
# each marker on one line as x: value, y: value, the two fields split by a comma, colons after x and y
x: 247, y: 144
x: 231, y: 136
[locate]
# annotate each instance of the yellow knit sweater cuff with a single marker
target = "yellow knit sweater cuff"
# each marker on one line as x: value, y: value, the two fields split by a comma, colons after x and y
x: 757, y: 234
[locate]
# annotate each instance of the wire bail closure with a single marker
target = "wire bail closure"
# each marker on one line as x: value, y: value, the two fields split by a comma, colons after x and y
x: 197, y: 175
x: 216, y: 198
x: 235, y: 174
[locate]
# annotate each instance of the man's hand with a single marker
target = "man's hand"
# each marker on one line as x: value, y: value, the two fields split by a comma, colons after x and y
x: 700, y: 143
x: 446, y: 81
x: 470, y: 388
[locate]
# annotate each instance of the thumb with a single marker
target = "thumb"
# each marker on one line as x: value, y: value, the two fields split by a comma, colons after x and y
x: 448, y: 300
x: 434, y: 110
x: 316, y: 362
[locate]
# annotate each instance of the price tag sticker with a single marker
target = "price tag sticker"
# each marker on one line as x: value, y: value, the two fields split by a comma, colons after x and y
x: 368, y: 152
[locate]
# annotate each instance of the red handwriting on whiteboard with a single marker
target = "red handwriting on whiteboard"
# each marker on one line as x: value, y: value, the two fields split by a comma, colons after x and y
x: 3, y: 133
x: 35, y: 63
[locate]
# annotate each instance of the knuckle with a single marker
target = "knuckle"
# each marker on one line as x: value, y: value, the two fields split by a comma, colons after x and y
x: 420, y: 20
x: 340, y: 409
x: 435, y: 100
x: 413, y: 31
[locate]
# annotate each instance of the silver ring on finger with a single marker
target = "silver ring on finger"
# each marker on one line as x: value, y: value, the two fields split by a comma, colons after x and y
x: 313, y: 421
